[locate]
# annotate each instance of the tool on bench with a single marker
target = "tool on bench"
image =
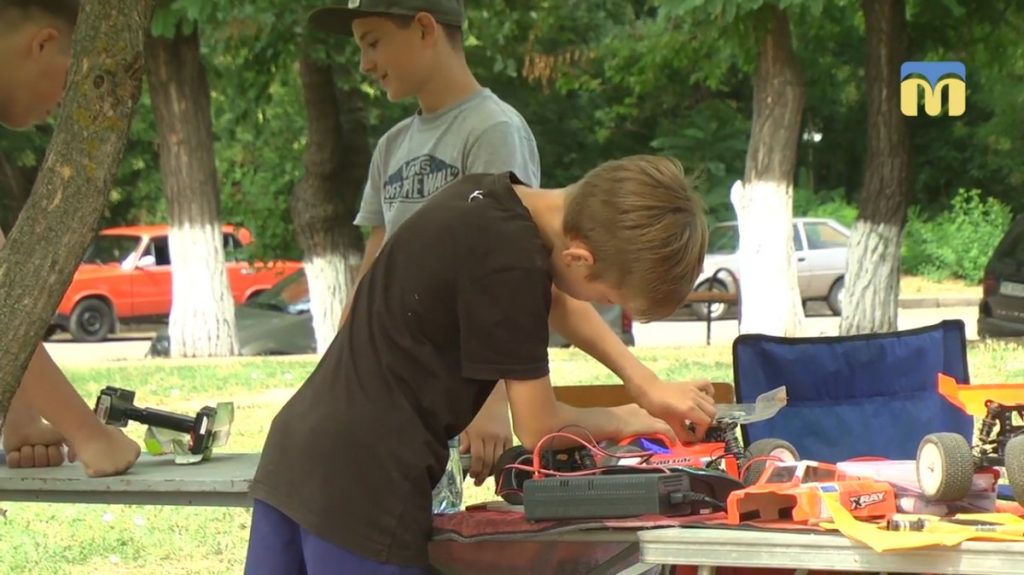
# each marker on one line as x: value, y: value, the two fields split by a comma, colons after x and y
x: 190, y: 438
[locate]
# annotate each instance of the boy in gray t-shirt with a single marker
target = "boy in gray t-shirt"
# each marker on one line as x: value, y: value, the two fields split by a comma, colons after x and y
x: 413, y: 48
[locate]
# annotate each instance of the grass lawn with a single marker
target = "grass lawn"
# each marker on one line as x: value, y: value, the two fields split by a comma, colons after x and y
x: 121, y: 539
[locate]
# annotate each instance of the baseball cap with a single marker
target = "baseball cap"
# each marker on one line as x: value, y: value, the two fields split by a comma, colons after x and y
x: 338, y: 19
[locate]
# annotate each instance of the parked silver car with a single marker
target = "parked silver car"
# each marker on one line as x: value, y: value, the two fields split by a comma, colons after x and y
x: 819, y: 246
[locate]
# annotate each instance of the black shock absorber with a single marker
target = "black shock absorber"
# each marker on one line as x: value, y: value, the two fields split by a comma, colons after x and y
x: 732, y: 440
x: 988, y: 426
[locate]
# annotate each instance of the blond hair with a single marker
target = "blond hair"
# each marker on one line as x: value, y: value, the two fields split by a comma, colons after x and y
x: 645, y: 226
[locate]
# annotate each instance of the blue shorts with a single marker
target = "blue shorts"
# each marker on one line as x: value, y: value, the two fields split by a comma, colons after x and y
x: 280, y: 546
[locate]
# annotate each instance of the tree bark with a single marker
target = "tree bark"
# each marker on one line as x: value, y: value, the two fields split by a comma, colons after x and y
x: 770, y: 295
x: 62, y: 214
x: 202, y: 320
x: 325, y: 199
x: 873, y: 263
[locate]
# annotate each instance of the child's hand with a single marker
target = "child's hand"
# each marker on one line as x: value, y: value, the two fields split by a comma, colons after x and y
x: 34, y: 444
x: 109, y: 453
x: 486, y: 438
x: 679, y: 403
x: 636, y: 421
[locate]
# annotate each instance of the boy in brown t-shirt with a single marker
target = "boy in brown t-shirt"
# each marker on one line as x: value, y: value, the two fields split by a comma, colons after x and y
x: 457, y: 300
x: 35, y: 52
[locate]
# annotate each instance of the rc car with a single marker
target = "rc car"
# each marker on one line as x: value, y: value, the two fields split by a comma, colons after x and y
x: 720, y: 450
x: 946, y: 463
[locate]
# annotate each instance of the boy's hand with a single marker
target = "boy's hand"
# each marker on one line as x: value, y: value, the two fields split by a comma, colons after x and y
x: 34, y: 444
x: 109, y: 453
x: 679, y: 403
x: 636, y: 421
x: 487, y: 437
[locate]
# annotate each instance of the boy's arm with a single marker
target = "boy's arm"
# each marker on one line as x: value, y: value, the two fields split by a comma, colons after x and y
x: 581, y: 324
x: 46, y: 393
x: 371, y: 213
x: 536, y: 414
x: 373, y: 245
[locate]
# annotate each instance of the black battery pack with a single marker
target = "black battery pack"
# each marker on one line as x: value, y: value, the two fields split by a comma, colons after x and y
x: 613, y: 496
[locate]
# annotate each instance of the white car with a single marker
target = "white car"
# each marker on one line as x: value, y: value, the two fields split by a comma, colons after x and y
x: 820, y: 247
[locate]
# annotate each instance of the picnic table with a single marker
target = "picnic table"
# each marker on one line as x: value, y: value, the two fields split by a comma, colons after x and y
x: 644, y: 547
x: 223, y: 481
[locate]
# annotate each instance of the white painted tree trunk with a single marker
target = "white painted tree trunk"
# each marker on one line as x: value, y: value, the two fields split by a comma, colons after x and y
x: 198, y: 325
x: 872, y: 279
x: 769, y: 292
x: 202, y: 318
x: 328, y: 277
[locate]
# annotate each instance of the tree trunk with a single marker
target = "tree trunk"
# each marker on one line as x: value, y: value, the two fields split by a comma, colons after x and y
x: 63, y: 212
x: 202, y: 321
x: 325, y: 199
x: 770, y: 295
x: 873, y: 263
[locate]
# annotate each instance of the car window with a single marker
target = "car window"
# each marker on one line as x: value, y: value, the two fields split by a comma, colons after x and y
x: 160, y: 250
x: 1012, y: 248
x: 821, y: 236
x: 233, y: 248
x: 108, y: 249
x: 290, y: 295
x: 724, y: 239
x: 798, y: 240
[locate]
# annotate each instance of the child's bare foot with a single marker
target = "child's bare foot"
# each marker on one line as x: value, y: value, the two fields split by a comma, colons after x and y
x: 111, y: 452
x: 32, y: 443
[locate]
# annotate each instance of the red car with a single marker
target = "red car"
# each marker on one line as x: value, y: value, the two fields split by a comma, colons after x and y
x: 125, y: 277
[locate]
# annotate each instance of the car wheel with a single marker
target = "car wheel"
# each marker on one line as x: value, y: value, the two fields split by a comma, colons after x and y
x: 715, y: 310
x: 835, y: 296
x: 91, y: 320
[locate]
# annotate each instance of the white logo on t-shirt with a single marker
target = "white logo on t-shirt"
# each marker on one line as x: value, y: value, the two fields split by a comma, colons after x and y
x: 476, y: 195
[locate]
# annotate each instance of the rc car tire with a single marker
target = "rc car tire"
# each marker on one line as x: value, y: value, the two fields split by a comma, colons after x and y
x: 768, y: 447
x: 508, y: 483
x: 945, y: 467
x: 1014, y: 457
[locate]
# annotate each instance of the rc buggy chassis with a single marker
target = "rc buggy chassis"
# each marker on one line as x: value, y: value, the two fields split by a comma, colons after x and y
x: 946, y: 463
x: 719, y: 451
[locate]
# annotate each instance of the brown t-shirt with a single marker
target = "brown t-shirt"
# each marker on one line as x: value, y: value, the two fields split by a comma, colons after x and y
x: 457, y: 299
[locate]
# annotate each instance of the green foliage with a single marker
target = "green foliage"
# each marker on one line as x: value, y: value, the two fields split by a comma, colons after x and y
x: 959, y: 242
x: 824, y: 204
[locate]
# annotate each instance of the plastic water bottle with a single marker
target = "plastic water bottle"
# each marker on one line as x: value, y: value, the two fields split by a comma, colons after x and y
x: 448, y: 491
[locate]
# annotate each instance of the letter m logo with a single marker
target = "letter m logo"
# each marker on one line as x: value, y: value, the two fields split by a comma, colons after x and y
x: 933, y: 78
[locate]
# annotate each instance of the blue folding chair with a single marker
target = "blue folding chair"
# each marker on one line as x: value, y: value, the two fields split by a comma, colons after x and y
x: 855, y: 396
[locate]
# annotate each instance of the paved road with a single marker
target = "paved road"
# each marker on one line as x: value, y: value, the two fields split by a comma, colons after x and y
x: 132, y: 347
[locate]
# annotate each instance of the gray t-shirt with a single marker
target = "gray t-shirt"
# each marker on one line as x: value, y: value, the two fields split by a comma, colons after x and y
x: 425, y: 152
